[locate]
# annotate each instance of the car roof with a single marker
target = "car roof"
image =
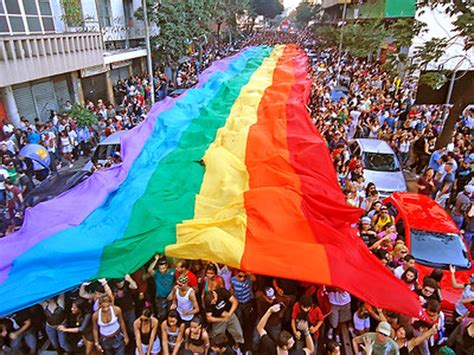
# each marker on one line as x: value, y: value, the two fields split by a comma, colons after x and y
x: 421, y: 212
x: 374, y: 146
x: 113, y: 138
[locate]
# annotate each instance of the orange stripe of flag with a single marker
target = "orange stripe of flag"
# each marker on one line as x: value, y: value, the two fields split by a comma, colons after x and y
x: 278, y: 233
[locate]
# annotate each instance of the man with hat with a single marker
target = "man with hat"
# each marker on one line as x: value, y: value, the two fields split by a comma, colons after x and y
x: 380, y: 341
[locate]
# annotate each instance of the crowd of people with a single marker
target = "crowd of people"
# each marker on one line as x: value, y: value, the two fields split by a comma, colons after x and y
x: 199, y: 307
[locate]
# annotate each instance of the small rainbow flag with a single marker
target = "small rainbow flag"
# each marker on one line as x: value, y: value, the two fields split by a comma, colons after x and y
x: 232, y: 171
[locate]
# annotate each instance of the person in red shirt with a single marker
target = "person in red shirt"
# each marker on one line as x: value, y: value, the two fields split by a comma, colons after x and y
x: 306, y: 311
x: 182, y: 268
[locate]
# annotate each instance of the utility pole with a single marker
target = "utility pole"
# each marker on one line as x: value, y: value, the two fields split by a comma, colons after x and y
x: 148, y: 53
x: 344, y: 10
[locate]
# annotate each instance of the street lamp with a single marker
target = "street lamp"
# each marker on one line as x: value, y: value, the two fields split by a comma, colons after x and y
x: 148, y: 53
x: 340, y: 41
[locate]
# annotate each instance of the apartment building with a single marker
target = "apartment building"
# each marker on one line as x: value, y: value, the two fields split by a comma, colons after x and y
x: 46, y: 61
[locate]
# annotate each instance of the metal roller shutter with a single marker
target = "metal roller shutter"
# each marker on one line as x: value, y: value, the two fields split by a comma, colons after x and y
x: 25, y: 102
x: 45, y: 99
x: 62, y: 93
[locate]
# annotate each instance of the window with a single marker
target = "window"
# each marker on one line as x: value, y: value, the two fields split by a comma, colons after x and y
x: 13, y: 7
x: 16, y: 24
x: 45, y: 8
x: 439, y: 249
x: 104, y: 12
x: 48, y: 24
x: 380, y: 162
x: 3, y: 24
x: 26, y: 16
x: 30, y: 7
x: 33, y: 24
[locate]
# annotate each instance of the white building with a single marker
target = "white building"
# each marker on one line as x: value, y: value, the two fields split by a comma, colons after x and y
x: 44, y: 61
x: 440, y: 25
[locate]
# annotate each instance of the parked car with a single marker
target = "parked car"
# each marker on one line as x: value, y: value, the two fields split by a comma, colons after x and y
x: 55, y: 185
x: 105, y: 150
x: 381, y: 165
x: 434, y: 240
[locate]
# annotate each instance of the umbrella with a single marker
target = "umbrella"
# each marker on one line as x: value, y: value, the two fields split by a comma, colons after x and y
x: 38, y: 154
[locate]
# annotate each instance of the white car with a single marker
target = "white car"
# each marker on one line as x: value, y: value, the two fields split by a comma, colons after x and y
x: 105, y: 149
x: 381, y: 165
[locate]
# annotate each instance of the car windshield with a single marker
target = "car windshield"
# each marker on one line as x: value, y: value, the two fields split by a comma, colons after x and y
x: 439, y: 249
x: 380, y: 162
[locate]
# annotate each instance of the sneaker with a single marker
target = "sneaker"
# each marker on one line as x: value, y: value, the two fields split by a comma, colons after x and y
x: 330, y: 333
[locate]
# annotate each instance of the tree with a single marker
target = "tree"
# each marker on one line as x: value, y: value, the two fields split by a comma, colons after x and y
x: 305, y: 12
x: 267, y: 8
x: 432, y: 50
x: 84, y: 118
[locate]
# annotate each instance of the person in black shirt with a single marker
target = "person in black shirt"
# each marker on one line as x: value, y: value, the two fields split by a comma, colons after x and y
x: 220, y: 308
x: 123, y: 299
x: 285, y: 341
x: 21, y: 327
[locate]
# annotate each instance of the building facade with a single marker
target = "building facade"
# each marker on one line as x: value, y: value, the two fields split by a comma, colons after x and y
x: 46, y: 61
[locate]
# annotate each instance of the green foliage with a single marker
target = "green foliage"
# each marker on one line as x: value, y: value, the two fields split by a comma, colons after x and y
x: 83, y: 117
x: 72, y: 12
x: 404, y: 29
x: 434, y: 79
x: 463, y: 14
x: 181, y: 23
x: 306, y: 11
x: 267, y: 8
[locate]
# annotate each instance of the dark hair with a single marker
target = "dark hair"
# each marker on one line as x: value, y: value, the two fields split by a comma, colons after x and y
x: 408, y: 258
x: 196, y: 319
x: 433, y: 306
x: 82, y: 305
x: 173, y: 314
x: 283, y: 338
x: 185, y: 263
x: 305, y: 301
x: 429, y: 282
x: 412, y: 270
x: 437, y: 275
x: 211, y: 267
x: 332, y: 345
x: 408, y: 330
x: 208, y: 297
x: 220, y: 340
x: 147, y: 312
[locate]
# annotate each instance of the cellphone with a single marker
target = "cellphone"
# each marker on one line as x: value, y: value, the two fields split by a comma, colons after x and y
x: 282, y: 305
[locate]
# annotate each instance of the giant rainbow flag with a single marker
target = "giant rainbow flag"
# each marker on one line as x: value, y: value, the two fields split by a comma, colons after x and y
x: 232, y: 171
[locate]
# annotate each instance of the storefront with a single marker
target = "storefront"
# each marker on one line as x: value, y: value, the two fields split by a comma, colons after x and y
x: 39, y: 98
x: 94, y: 82
x: 120, y: 71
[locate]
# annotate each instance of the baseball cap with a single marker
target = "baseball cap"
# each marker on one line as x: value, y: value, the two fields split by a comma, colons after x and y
x: 365, y: 220
x: 270, y: 293
x: 469, y: 189
x: 384, y: 328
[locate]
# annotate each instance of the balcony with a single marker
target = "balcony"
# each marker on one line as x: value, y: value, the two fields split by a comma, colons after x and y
x: 26, y: 58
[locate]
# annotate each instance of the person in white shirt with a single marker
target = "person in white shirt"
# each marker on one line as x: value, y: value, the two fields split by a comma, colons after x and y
x: 408, y: 261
